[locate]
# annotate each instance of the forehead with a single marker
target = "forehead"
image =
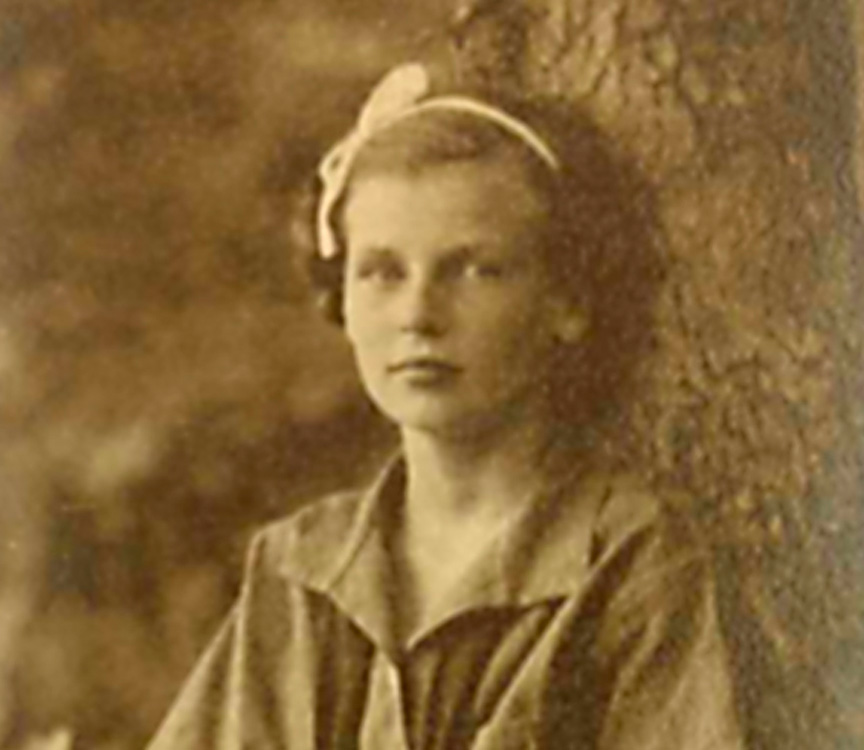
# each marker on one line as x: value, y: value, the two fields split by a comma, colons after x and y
x: 458, y: 203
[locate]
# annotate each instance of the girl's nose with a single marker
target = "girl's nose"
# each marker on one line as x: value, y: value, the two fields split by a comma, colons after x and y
x: 422, y: 308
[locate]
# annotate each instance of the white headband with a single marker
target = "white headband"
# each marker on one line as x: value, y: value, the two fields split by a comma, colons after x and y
x: 399, y: 96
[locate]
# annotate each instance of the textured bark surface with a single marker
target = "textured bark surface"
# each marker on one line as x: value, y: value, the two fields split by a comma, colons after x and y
x: 741, y: 114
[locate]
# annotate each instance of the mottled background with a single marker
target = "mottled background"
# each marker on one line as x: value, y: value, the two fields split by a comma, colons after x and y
x: 165, y: 387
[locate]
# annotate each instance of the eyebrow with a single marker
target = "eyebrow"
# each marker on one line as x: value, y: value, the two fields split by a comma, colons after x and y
x: 376, y: 250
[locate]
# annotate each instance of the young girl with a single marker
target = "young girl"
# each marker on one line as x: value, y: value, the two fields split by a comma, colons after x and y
x: 494, y: 588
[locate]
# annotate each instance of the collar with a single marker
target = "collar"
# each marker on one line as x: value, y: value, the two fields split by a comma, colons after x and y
x: 338, y: 547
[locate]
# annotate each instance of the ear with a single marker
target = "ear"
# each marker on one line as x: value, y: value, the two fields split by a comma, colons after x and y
x: 569, y: 322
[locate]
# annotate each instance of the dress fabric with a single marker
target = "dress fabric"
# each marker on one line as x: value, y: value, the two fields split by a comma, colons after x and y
x: 591, y: 623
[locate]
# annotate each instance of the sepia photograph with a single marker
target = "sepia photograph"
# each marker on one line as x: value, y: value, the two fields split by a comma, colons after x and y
x: 453, y: 375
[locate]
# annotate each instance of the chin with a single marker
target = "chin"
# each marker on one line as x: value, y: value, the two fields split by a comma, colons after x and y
x: 448, y: 413
x: 442, y: 422
x: 425, y: 415
x: 432, y: 424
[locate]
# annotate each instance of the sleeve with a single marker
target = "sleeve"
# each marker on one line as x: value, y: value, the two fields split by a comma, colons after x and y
x: 224, y: 704
x: 661, y: 659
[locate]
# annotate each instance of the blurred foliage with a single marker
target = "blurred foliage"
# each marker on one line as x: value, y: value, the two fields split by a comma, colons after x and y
x: 164, y: 386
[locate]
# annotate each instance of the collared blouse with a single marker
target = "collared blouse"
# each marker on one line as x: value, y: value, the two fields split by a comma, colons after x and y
x: 590, y: 624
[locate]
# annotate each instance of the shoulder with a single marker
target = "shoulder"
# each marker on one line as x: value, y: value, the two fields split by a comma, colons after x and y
x: 651, y: 626
x: 307, y: 544
x: 629, y: 507
x: 322, y: 520
x: 645, y: 548
x: 633, y: 510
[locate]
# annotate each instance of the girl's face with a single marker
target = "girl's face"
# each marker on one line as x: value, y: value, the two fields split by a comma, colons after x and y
x: 447, y: 302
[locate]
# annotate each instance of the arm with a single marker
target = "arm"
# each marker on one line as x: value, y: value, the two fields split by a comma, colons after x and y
x: 663, y: 660
x: 220, y: 705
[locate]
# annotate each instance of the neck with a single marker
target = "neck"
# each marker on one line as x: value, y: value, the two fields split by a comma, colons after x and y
x: 462, y: 492
x: 462, y: 477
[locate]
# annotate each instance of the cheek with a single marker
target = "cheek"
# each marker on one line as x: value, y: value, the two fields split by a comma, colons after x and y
x: 519, y: 335
x: 355, y: 316
x: 364, y: 331
x: 349, y: 316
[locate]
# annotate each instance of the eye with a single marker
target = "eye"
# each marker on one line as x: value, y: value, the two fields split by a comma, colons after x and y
x: 480, y: 269
x: 470, y: 265
x: 379, y: 269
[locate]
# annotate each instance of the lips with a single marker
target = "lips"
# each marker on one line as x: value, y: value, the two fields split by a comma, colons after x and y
x: 425, y: 366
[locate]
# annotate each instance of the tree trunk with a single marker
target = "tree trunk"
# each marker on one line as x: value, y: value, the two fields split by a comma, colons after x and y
x: 741, y: 114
